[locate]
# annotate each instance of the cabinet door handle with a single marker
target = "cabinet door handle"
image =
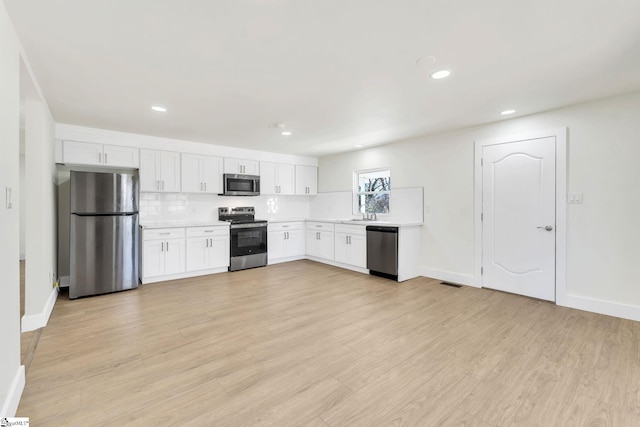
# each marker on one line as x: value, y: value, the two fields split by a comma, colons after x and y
x: 99, y: 157
x: 105, y: 158
x: 205, y: 186
x: 167, y: 246
x: 161, y: 246
x: 162, y: 184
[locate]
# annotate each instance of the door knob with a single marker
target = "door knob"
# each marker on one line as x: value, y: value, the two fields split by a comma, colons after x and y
x: 547, y: 227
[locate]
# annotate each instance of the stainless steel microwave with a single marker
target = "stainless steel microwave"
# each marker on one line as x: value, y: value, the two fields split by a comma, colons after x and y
x: 241, y: 185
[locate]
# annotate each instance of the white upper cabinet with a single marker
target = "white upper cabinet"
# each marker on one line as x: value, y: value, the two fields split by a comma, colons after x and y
x: 241, y: 166
x: 306, y: 180
x: 276, y: 178
x: 159, y: 171
x: 86, y: 153
x: 201, y: 174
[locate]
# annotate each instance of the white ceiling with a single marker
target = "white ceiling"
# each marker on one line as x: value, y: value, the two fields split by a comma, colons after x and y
x: 336, y: 72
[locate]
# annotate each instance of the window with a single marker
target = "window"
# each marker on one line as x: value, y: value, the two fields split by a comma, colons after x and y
x: 371, y: 191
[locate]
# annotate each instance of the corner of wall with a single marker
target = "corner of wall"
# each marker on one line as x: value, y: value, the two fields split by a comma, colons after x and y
x: 36, y: 321
x: 10, y: 405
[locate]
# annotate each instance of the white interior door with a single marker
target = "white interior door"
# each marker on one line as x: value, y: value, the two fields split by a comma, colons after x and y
x: 519, y: 210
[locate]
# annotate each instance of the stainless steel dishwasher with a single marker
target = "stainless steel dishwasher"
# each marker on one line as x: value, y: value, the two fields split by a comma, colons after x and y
x: 382, y: 251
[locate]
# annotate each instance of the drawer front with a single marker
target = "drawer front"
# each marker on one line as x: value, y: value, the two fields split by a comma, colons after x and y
x: 320, y: 226
x: 208, y: 231
x: 285, y: 226
x: 162, y: 233
x: 360, y: 230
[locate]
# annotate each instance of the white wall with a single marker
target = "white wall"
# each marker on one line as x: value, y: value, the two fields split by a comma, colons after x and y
x: 40, y: 217
x: 23, y: 183
x: 603, y: 232
x: 11, y: 372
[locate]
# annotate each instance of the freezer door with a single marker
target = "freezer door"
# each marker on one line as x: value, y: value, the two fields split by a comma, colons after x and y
x: 99, y: 192
x: 104, y: 254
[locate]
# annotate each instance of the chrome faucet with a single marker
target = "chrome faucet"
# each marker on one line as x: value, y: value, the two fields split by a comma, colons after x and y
x: 369, y: 216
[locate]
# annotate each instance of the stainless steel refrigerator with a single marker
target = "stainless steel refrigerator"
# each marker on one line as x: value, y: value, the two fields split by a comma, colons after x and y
x: 103, y: 233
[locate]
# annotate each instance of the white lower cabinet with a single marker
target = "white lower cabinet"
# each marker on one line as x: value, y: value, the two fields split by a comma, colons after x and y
x: 163, y: 252
x: 174, y: 253
x: 320, y: 240
x: 286, y: 241
x: 207, y: 248
x: 351, y: 245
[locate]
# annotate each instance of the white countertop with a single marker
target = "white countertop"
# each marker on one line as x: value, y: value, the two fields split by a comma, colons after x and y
x: 381, y: 223
x: 209, y: 223
x: 187, y: 223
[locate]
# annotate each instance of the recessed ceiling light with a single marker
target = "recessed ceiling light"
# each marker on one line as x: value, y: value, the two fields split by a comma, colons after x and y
x: 158, y: 108
x: 507, y: 112
x: 440, y: 74
x: 286, y: 132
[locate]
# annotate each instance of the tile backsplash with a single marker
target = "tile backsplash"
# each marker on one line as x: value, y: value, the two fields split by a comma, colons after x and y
x: 159, y: 207
x: 406, y: 205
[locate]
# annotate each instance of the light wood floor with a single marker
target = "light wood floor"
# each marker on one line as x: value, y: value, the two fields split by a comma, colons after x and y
x: 305, y: 344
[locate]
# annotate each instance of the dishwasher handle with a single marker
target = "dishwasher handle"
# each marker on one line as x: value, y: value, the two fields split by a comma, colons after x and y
x: 382, y: 229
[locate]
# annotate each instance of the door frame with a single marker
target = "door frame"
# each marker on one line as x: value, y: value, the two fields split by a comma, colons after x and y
x: 560, y: 135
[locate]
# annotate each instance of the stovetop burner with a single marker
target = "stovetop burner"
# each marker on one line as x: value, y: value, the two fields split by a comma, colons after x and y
x: 240, y: 215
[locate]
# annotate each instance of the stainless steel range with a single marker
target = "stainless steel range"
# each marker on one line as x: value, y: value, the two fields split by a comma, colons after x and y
x: 248, y: 237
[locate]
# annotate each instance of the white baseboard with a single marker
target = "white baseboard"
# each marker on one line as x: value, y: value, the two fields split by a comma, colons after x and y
x: 10, y: 405
x: 286, y: 259
x: 448, y: 276
x: 609, y: 308
x: 32, y: 322
x: 338, y: 264
x: 185, y: 275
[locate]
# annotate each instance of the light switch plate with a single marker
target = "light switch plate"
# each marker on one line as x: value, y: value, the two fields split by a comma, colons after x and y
x: 575, y: 197
x: 9, y: 204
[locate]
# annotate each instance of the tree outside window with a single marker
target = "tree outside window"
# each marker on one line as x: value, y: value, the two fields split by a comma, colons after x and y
x: 372, y: 191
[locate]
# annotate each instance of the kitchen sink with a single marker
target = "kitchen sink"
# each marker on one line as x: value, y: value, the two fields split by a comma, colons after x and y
x: 372, y: 221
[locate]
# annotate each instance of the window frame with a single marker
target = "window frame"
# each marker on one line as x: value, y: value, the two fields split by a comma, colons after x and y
x: 356, y: 194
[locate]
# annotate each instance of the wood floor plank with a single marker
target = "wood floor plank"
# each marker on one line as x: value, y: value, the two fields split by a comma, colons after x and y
x: 303, y: 343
